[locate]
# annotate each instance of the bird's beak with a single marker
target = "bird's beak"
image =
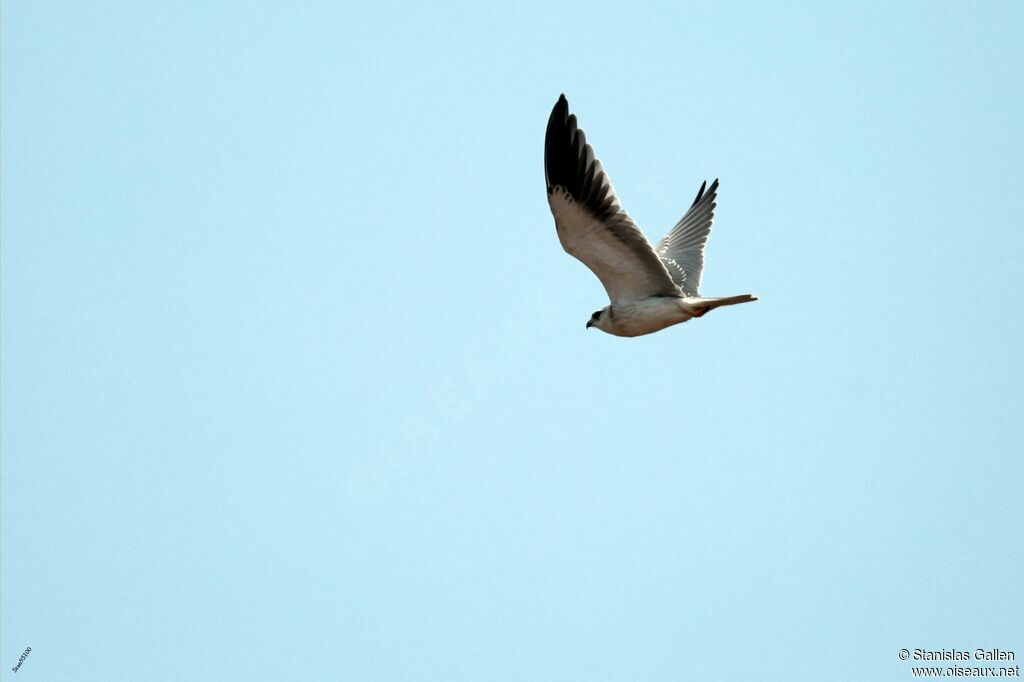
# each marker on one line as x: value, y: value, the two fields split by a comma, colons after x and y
x: 589, y: 324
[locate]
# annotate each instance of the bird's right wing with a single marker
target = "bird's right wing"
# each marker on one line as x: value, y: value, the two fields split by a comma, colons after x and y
x: 682, y: 249
x: 590, y: 221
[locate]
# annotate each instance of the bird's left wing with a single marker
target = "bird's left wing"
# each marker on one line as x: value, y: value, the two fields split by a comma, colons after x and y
x: 590, y: 221
x: 682, y: 249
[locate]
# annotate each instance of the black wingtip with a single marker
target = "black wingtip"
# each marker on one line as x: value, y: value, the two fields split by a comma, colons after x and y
x: 569, y: 163
x: 700, y: 193
x: 560, y: 110
x: 704, y: 190
x: 558, y: 144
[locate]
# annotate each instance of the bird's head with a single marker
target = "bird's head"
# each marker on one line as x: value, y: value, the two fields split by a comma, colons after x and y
x: 600, y: 319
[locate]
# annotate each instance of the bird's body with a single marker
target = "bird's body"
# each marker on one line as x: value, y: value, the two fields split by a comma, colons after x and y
x: 645, y: 316
x: 652, y: 314
x: 650, y: 288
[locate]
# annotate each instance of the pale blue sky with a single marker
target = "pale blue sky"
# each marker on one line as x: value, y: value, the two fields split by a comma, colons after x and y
x: 296, y: 384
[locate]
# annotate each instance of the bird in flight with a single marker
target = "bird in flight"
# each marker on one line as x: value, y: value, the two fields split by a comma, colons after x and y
x: 650, y: 288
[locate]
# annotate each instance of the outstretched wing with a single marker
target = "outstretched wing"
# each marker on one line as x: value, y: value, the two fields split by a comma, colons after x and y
x: 682, y: 249
x: 591, y: 224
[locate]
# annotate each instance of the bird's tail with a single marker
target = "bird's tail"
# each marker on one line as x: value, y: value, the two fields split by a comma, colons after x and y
x: 703, y: 305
